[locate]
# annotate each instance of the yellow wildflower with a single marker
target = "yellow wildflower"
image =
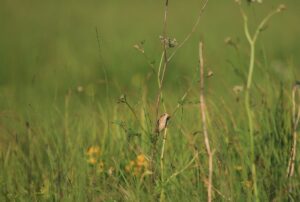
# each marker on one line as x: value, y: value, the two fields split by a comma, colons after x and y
x: 141, y: 160
x: 93, y: 150
x: 137, y: 166
x: 92, y: 160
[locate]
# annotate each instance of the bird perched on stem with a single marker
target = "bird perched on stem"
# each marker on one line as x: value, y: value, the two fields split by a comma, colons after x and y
x: 162, y: 122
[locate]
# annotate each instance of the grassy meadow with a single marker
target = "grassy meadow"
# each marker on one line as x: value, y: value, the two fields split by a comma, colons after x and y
x: 79, y: 84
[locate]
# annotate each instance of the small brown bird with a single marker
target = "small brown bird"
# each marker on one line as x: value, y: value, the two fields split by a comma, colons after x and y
x: 162, y: 122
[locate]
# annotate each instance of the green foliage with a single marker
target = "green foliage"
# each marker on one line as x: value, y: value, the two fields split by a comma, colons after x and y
x: 69, y: 133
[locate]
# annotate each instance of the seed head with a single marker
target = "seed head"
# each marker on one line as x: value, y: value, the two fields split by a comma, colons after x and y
x: 281, y: 8
x: 255, y: 1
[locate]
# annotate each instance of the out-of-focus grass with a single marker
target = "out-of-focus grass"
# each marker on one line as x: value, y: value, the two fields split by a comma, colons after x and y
x: 47, y: 123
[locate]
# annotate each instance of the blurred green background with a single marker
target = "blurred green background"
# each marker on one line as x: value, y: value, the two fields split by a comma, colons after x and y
x: 64, y: 64
x: 47, y: 47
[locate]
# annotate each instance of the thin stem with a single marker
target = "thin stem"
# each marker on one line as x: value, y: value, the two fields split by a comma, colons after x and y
x: 183, y: 169
x: 204, y: 124
x: 160, y: 86
x: 159, y: 82
x: 135, y: 116
x: 295, y: 122
x: 252, y: 43
x: 147, y: 59
x: 188, y: 36
x: 165, y: 62
x: 263, y: 23
x: 181, y: 100
x: 249, y: 111
x: 159, y: 69
x: 162, y: 195
x: 246, y: 27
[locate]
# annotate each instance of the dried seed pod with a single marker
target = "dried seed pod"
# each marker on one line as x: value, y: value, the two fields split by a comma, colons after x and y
x: 255, y: 1
x: 281, y: 8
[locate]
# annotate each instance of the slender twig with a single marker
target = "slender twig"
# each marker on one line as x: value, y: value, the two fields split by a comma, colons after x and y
x: 165, y: 60
x: 142, y: 51
x: 181, y: 101
x: 162, y: 194
x: 204, y: 124
x: 162, y: 70
x: 135, y: 116
x: 159, y: 82
x: 160, y: 86
x: 183, y: 169
x: 194, y: 28
x: 165, y: 41
x: 295, y: 122
x: 159, y: 97
x: 124, y: 101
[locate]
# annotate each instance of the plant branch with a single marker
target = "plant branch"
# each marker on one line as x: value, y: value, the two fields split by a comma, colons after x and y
x: 188, y: 36
x: 252, y: 42
x: 160, y: 86
x: 183, y: 169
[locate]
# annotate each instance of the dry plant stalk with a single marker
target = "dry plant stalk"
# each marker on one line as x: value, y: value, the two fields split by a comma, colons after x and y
x: 162, y: 192
x: 161, y: 75
x: 159, y: 95
x: 295, y: 119
x: 165, y: 57
x: 204, y: 124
